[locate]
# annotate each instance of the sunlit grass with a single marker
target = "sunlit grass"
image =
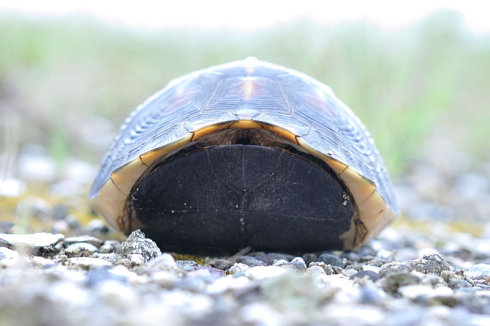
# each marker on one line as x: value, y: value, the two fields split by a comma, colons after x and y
x: 404, y: 84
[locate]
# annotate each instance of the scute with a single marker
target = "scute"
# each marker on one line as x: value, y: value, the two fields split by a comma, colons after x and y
x: 252, y: 90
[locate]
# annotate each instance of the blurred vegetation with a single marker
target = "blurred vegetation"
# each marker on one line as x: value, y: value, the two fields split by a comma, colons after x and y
x: 68, y: 84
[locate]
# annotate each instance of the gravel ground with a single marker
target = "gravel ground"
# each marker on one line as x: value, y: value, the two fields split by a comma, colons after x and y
x: 432, y: 267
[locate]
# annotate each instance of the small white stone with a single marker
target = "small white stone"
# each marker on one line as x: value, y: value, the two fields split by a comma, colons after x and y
x: 315, y: 271
x: 371, y: 268
x: 224, y: 284
x: 80, y: 248
x: 299, y: 260
x: 165, y: 261
x: 238, y: 268
x: 349, y: 272
x: 280, y: 262
x: 82, y: 239
x: 88, y: 262
x: 136, y: 259
x: 34, y: 240
x: 263, y: 272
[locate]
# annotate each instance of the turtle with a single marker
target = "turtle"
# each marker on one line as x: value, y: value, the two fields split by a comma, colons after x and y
x: 246, y: 154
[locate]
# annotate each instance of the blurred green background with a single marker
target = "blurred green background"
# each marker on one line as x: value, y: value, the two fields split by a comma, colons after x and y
x: 68, y: 84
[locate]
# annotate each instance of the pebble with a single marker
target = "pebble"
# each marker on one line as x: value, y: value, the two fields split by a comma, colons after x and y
x: 373, y: 276
x: 250, y: 261
x: 330, y: 259
x: 31, y: 242
x: 123, y: 279
x: 164, y: 262
x: 109, y: 246
x: 136, y: 246
x: 88, y: 262
x: 238, y: 269
x: 263, y: 272
x: 80, y: 249
x: 82, y: 239
x: 223, y: 264
x: 393, y: 281
x: 420, y: 273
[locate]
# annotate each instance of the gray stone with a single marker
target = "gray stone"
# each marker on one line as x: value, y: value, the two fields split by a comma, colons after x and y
x: 223, y: 264
x: 457, y: 284
x: 109, y: 246
x: 330, y: 259
x: 299, y: 261
x: 138, y: 244
x: 394, y: 267
x: 80, y: 249
x: 431, y: 264
x: 82, y: 238
x: 268, y: 258
x: 187, y: 265
x: 348, y: 272
x: 238, y: 269
x: 292, y: 267
x: 164, y: 262
x: 326, y: 268
x: 432, y: 279
x: 373, y: 276
x: 250, y: 261
x: 393, y: 281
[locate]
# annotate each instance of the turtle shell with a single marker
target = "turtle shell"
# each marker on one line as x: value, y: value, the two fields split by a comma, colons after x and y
x: 255, y: 95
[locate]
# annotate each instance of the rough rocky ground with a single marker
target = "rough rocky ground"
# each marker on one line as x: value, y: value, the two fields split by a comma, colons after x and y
x: 432, y: 267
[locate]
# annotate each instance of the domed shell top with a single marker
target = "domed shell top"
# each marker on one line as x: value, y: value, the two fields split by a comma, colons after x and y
x: 249, y: 94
